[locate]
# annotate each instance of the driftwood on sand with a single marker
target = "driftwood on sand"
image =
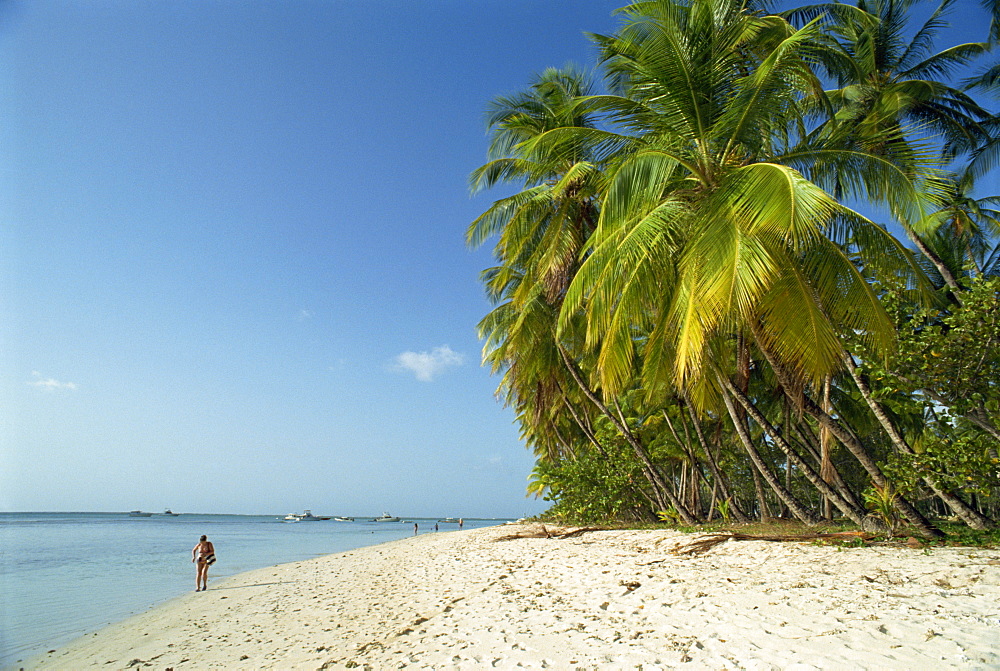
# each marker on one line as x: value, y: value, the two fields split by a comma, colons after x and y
x: 706, y: 543
x: 541, y: 531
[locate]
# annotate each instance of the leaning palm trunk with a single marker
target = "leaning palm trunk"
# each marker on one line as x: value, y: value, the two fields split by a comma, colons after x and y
x: 801, y: 513
x: 589, y: 433
x: 855, y: 447
x: 810, y: 442
x: 650, y: 470
x: 763, y: 510
x: 717, y: 475
x: 949, y: 278
x: 718, y: 483
x: 807, y: 470
x: 695, y: 463
x: 584, y: 428
x: 964, y: 511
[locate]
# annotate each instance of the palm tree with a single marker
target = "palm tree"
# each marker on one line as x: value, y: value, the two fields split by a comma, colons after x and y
x: 541, y: 231
x: 708, y: 231
x: 892, y: 81
x: 892, y: 97
x: 965, y: 227
x: 542, y: 228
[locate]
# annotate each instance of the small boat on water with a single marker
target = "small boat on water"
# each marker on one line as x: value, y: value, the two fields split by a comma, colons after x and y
x: 307, y: 516
x: 343, y: 519
x: 169, y: 513
x: 139, y: 513
x: 449, y: 520
x: 385, y: 517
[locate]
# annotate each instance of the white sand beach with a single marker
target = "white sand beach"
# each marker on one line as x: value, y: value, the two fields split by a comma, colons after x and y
x: 599, y: 600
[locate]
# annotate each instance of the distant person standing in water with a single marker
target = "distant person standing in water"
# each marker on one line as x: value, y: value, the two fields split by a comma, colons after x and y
x: 203, y: 555
x: 461, y: 523
x: 414, y: 528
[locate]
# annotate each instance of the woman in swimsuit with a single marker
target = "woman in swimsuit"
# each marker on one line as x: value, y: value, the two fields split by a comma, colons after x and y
x: 202, y: 554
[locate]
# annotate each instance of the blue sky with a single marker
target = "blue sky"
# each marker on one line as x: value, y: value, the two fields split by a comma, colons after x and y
x: 233, y: 263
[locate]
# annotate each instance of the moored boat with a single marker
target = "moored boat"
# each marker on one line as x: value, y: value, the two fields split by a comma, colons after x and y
x: 343, y: 519
x: 385, y: 517
x: 139, y: 513
x: 307, y: 516
x: 169, y: 513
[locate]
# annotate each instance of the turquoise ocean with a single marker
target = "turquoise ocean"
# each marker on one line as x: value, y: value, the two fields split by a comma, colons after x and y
x: 63, y: 575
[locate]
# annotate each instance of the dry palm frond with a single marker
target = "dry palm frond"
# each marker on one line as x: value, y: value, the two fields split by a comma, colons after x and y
x: 701, y: 545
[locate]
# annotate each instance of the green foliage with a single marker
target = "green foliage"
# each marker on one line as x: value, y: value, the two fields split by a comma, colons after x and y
x: 591, y: 488
x: 881, y: 500
x: 943, y: 382
x: 670, y: 515
x: 958, y: 461
x: 959, y: 534
x: 723, y: 508
x: 950, y: 356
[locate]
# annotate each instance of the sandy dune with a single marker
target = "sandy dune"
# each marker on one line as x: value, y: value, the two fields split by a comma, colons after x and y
x: 601, y: 600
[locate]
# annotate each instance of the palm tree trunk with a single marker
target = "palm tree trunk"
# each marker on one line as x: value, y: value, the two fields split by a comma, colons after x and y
x: 567, y: 448
x: 807, y: 470
x: 788, y: 482
x: 589, y: 433
x: 807, y: 439
x: 847, y: 438
x: 939, y: 264
x: 826, y: 460
x: 649, y: 468
x: 584, y: 427
x: 801, y: 512
x: 713, y: 466
x: 964, y: 511
x: 692, y: 456
x: 763, y: 511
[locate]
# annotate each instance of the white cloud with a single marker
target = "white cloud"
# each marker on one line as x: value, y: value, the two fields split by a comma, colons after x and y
x: 426, y: 365
x: 48, y: 383
x: 305, y: 314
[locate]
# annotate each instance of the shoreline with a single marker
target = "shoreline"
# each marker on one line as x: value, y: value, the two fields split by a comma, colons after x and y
x: 602, y: 599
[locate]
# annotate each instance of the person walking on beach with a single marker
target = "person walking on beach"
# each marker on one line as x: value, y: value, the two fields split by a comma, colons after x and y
x: 203, y: 555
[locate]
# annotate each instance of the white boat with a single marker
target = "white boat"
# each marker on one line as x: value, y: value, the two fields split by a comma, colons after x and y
x: 292, y: 517
x: 449, y: 520
x: 169, y: 513
x: 343, y: 519
x: 307, y: 516
x: 139, y: 513
x: 385, y: 517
